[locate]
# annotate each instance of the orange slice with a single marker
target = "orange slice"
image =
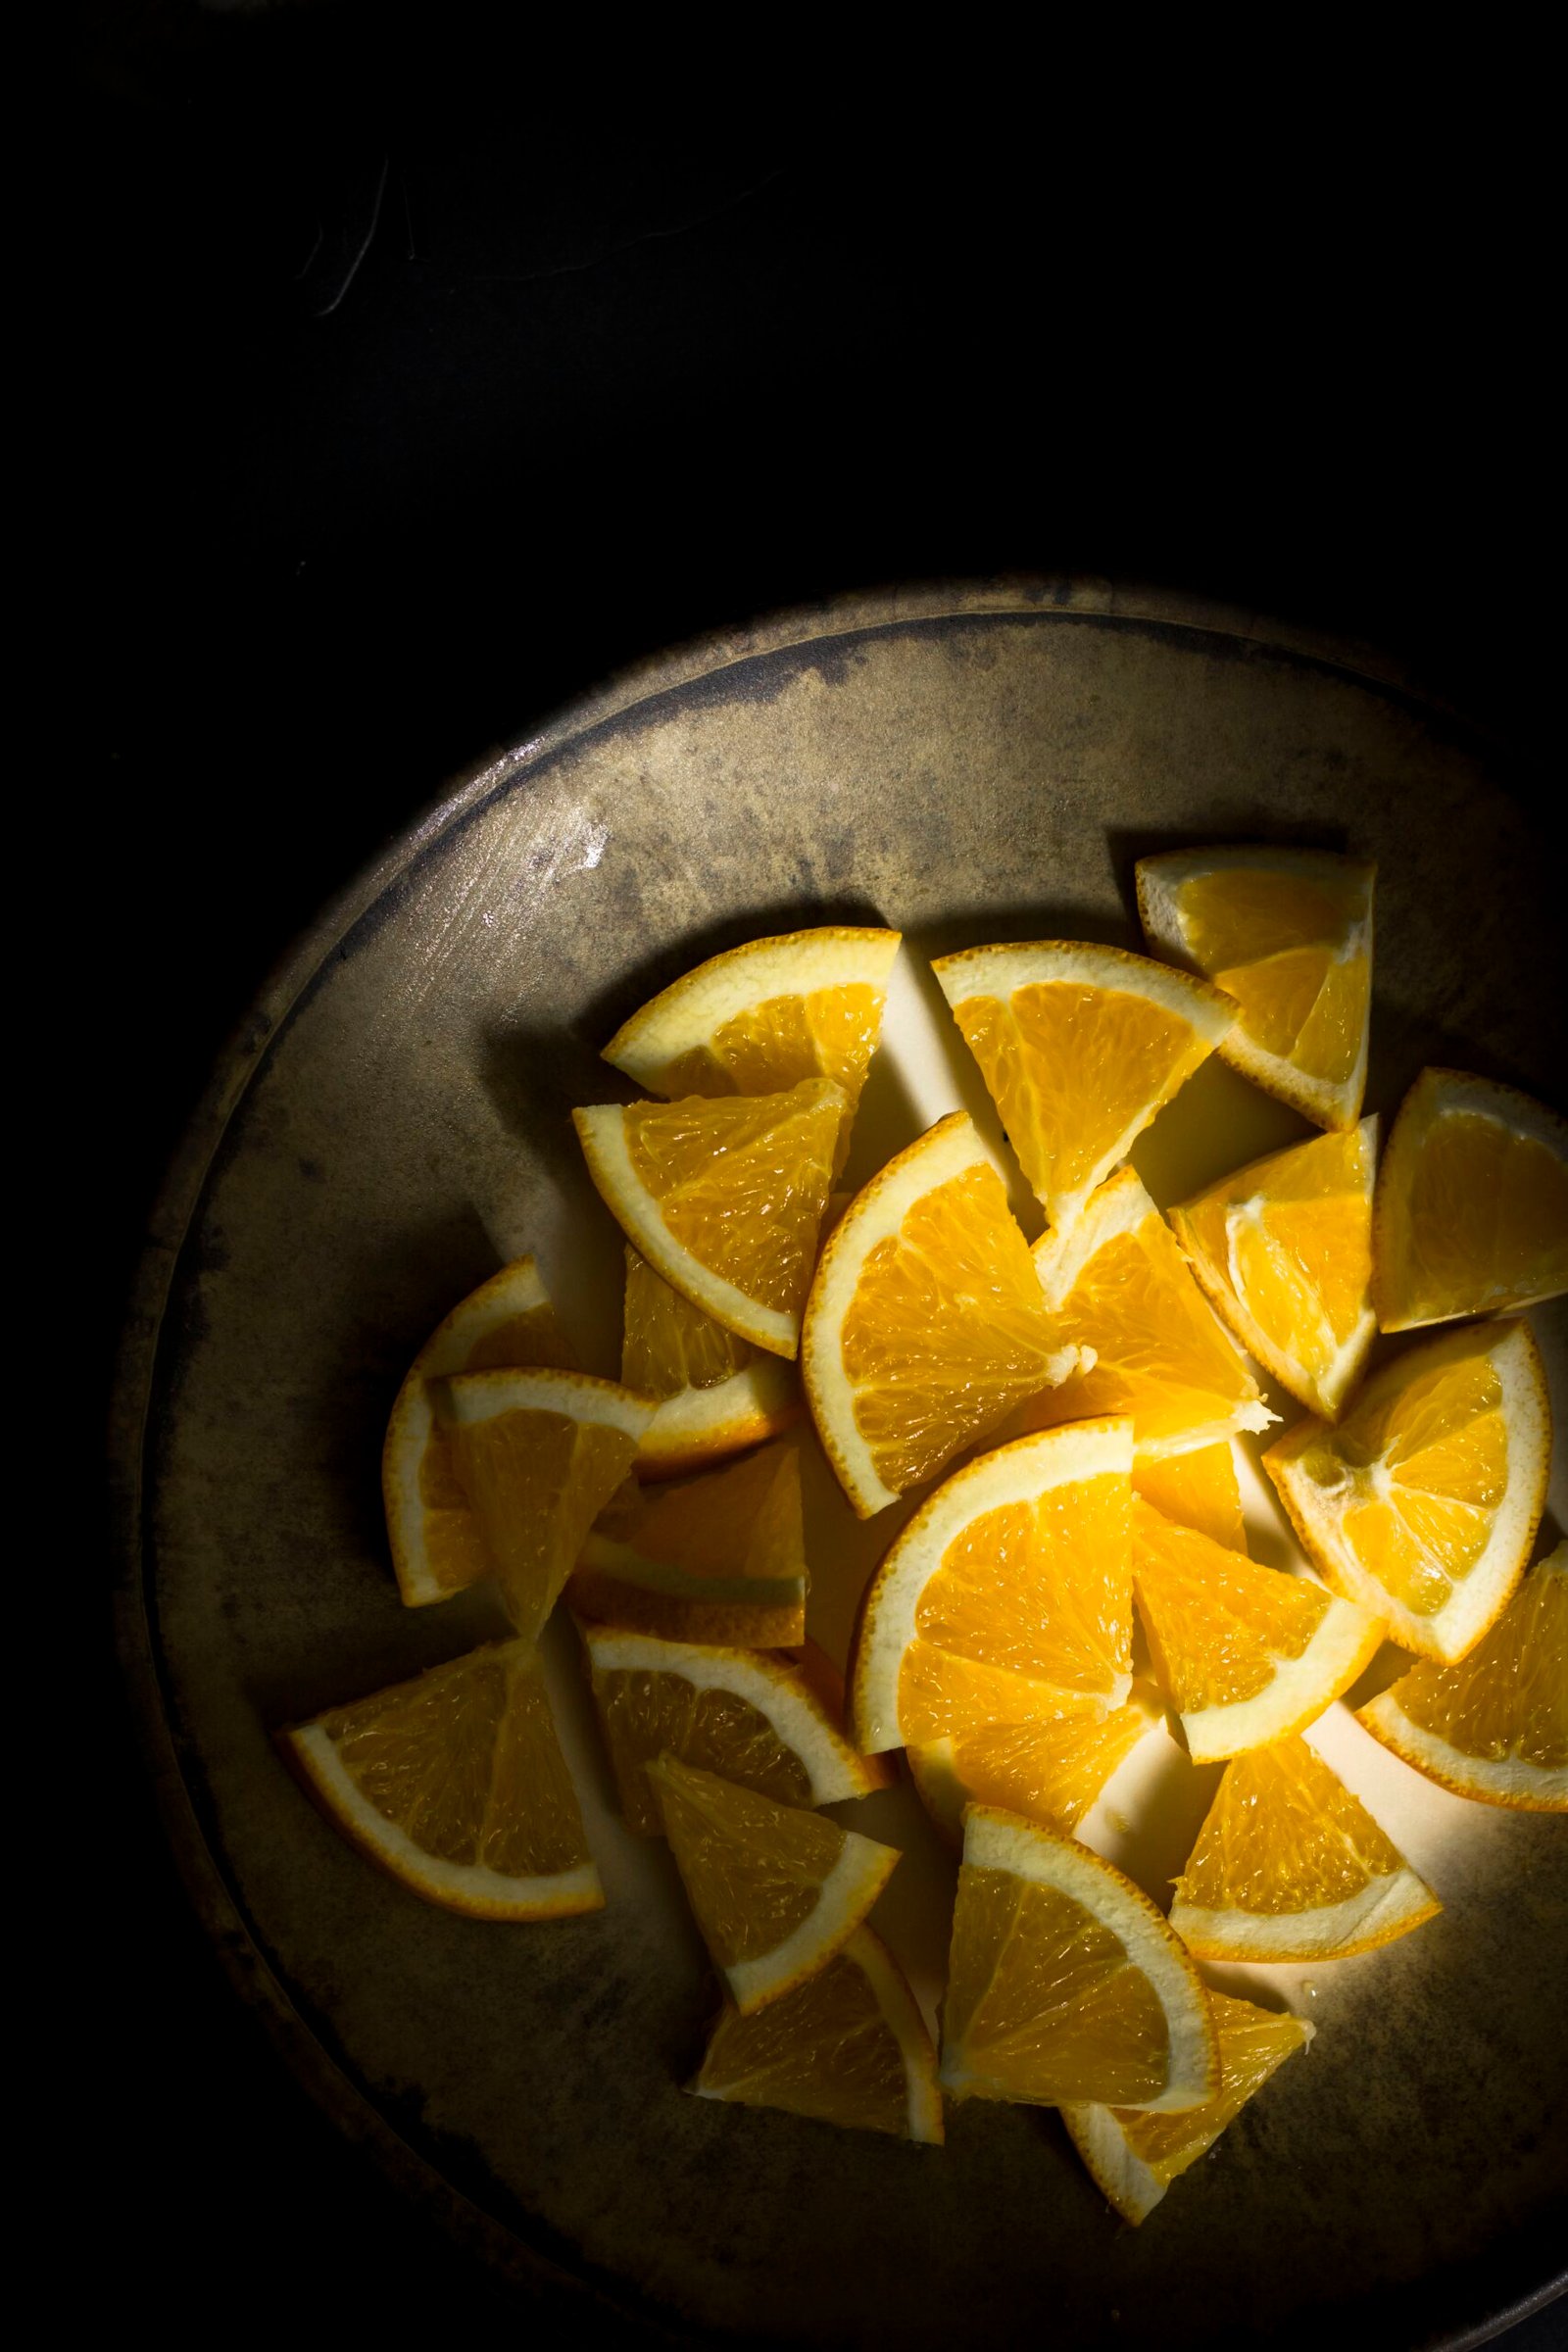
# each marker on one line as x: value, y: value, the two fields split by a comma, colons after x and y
x: 1472, y: 1205
x: 768, y: 1723
x: 1199, y: 1488
x: 847, y: 2046
x: 723, y: 1198
x: 1290, y: 1866
x: 437, y: 1543
x: 762, y: 1017
x: 455, y: 1783
x: 1423, y: 1503
x: 925, y: 1327
x: 1118, y: 1286
x: 1287, y: 935
x: 1496, y: 1726
x: 1134, y: 2158
x: 716, y: 1395
x: 1244, y: 1654
x: 719, y: 1559
x: 1080, y: 1047
x: 1064, y: 1983
x: 1283, y: 1249
x: 775, y: 1892
x: 538, y: 1454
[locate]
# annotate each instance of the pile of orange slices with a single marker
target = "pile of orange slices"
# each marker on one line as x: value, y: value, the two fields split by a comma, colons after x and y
x: 1054, y: 1419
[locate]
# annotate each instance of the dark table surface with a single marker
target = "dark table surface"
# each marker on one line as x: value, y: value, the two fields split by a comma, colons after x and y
x: 410, y: 388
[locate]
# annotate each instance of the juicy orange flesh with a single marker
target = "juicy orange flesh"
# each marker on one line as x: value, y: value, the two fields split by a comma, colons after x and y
x: 948, y: 1330
x: 1218, y: 1626
x: 1276, y: 942
x: 1284, y: 1835
x: 1197, y: 1490
x: 1252, y: 2042
x: 1306, y: 1007
x: 1291, y: 1238
x: 752, y: 1869
x: 1072, y: 1069
x: 667, y: 1344
x: 827, y: 1033
x: 1043, y: 1586
x: 741, y: 1184
x: 1043, y: 2003
x: 1050, y: 1766
x: 1444, y: 1440
x: 686, y: 1609
x: 1510, y: 1696
x: 455, y: 1550
x: 645, y: 1710
x: 1239, y: 916
x: 1486, y: 1224
x: 823, y: 2050
x: 536, y: 1482
x: 744, y: 1520
x: 466, y: 1762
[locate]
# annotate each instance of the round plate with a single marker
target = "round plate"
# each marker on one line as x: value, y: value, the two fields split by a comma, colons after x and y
x: 967, y: 766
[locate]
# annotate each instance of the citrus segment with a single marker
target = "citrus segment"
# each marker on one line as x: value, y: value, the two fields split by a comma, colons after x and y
x: 1198, y: 1489
x: 716, y: 1393
x: 719, y: 1559
x: 1043, y: 1753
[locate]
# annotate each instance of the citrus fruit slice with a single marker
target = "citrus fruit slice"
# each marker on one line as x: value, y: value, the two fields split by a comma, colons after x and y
x: 723, y: 1198
x: 1044, y: 1755
x: 455, y: 1783
x: 437, y: 1543
x: 1134, y: 2158
x: 1080, y: 1047
x: 1117, y: 1286
x: 1472, y: 1203
x: 1283, y: 1249
x: 775, y: 1891
x: 1496, y: 1726
x: 716, y: 1393
x: 1244, y: 1654
x: 847, y: 2047
x: 1198, y: 1489
x: 1287, y: 935
x: 762, y: 1017
x: 719, y: 1559
x: 538, y: 1454
x: 1064, y: 1983
x: 1423, y: 1503
x: 1290, y: 1866
x: 925, y: 1327
x: 768, y: 1723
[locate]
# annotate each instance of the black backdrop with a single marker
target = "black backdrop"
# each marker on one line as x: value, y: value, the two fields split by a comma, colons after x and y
x: 412, y: 385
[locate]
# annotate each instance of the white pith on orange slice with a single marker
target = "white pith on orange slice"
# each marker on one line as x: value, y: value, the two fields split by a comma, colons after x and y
x: 723, y: 1197
x: 716, y: 1395
x: 455, y: 1785
x: 1197, y: 1489
x: 1283, y: 1249
x: 1080, y: 1047
x: 1287, y: 935
x: 1422, y: 1504
x: 1472, y: 1203
x: 719, y: 1559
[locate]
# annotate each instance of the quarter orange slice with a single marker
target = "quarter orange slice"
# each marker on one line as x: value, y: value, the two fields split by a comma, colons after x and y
x: 719, y: 1559
x: 1287, y: 935
x: 1283, y: 1249
x: 1472, y: 1203
x: 716, y: 1393
x: 1290, y: 1866
x: 723, y: 1198
x: 1080, y: 1047
x: 1423, y: 1503
x: 1198, y: 1489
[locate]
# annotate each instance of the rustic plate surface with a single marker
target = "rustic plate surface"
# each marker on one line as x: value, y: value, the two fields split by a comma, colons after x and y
x: 965, y: 764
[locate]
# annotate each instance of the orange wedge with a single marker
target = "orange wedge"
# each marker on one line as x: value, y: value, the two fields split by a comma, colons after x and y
x: 1496, y: 1726
x: 768, y: 1723
x: 1287, y: 935
x: 1290, y: 1866
x: 1423, y: 1503
x: 763, y: 1016
x: 847, y: 2046
x: 775, y: 1892
x: 1064, y: 1983
x: 1472, y: 1203
x: 1080, y: 1047
x: 925, y: 1327
x: 1244, y: 1654
x: 723, y: 1198
x: 1117, y: 1287
x: 538, y: 1454
x: 455, y: 1783
x: 1283, y: 1249
x: 437, y: 1543
x: 716, y: 1393
x: 1199, y: 1488
x: 719, y: 1559
x: 1134, y: 2158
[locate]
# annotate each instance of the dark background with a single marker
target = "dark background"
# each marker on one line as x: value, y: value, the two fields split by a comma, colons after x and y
x: 412, y: 385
